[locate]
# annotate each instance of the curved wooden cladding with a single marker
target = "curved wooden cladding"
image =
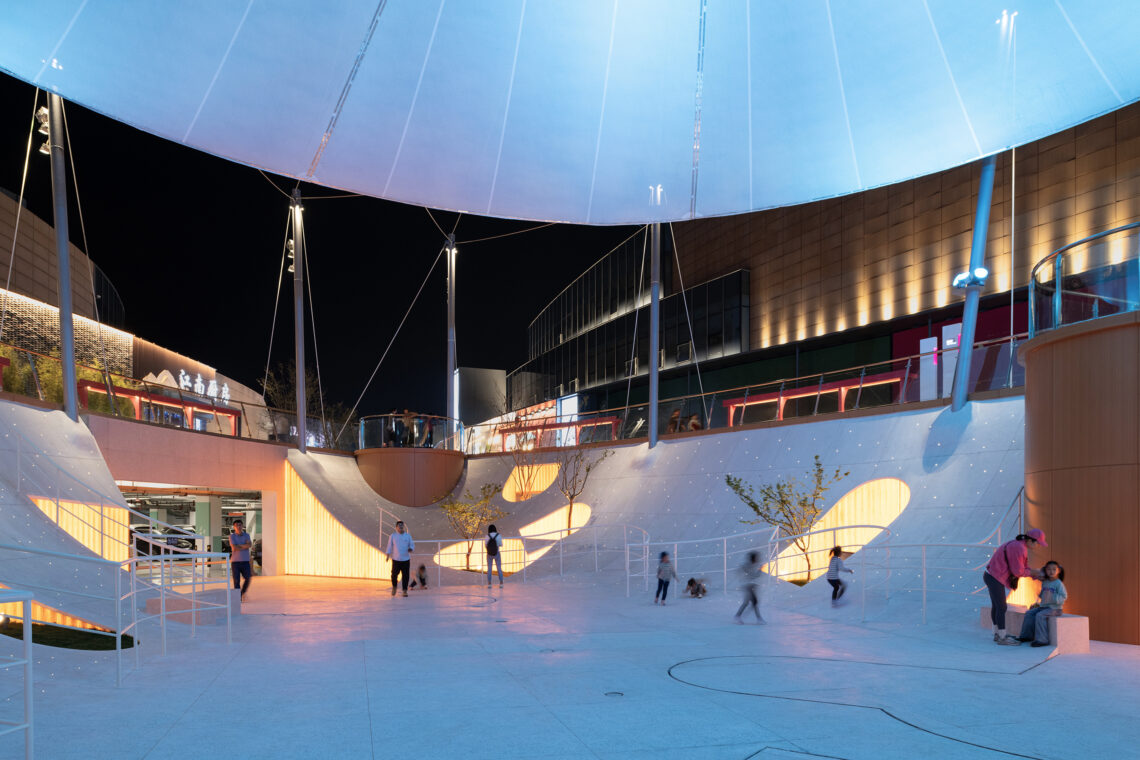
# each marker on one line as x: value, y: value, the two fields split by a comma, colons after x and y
x: 1082, y: 466
x: 411, y: 477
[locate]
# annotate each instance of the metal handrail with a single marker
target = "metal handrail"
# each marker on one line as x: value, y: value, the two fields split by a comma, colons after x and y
x: 25, y: 598
x: 163, y: 587
x: 1052, y: 258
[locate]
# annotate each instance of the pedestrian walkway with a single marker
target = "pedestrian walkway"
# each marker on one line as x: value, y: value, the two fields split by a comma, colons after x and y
x: 332, y: 668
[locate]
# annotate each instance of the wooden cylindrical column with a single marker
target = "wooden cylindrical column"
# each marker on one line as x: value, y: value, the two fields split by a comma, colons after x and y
x: 1082, y: 466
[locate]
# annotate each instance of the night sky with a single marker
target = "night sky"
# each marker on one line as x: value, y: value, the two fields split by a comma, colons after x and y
x: 193, y: 244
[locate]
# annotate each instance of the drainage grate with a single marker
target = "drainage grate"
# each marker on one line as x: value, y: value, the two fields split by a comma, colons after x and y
x: 615, y: 694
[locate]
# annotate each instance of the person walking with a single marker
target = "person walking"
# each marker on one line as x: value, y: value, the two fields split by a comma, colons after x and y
x: 494, y: 553
x: 834, y: 568
x: 665, y: 573
x: 400, y: 548
x: 750, y: 576
x: 1006, y: 566
x: 240, y: 543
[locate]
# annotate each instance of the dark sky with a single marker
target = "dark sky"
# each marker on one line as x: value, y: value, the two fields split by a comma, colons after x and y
x: 193, y: 244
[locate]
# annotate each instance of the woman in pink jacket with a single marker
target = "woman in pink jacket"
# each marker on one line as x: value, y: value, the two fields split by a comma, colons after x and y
x: 1009, y: 561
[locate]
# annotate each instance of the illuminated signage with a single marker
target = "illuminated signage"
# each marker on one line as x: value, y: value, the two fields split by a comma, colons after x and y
x: 199, y: 386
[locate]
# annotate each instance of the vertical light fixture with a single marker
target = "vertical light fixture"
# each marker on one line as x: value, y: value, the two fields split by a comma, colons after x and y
x: 452, y: 369
x: 299, y: 315
x: 63, y: 255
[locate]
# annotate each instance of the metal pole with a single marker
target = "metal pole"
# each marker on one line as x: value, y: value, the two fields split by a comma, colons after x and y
x: 299, y: 315
x: 118, y: 627
x: 973, y: 292
x: 162, y: 600
x: 452, y: 380
x: 654, y: 326
x: 595, y: 549
x: 63, y: 255
x: 924, y: 584
x: 560, y: 543
x: 229, y: 601
x: 863, y: 581
x: 523, y: 540
x: 135, y: 613
x: 29, y: 691
x: 725, y: 563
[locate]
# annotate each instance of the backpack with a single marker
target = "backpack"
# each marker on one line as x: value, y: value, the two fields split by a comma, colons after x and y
x: 492, y: 547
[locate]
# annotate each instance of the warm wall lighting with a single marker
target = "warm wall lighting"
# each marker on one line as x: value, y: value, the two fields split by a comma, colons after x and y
x: 42, y: 613
x: 876, y: 502
x: 529, y: 480
x: 102, y: 529
x: 316, y: 543
x: 541, y: 535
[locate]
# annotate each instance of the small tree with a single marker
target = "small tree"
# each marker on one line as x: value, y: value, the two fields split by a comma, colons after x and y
x: 787, y: 504
x: 527, y: 457
x: 574, y: 467
x: 469, y: 516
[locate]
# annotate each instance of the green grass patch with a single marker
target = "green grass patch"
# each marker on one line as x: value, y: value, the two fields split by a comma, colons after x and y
x: 64, y: 638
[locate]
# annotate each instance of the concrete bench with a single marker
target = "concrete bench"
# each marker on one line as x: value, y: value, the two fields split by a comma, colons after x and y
x: 1068, y: 634
x: 205, y: 615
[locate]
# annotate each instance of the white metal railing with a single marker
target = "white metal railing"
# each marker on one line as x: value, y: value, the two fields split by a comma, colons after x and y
x: 638, y: 554
x: 589, y: 546
x: 920, y: 560
x: 25, y: 598
x: 171, y: 585
x: 774, y: 545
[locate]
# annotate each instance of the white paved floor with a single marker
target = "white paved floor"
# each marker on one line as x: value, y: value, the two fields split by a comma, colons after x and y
x: 324, y: 668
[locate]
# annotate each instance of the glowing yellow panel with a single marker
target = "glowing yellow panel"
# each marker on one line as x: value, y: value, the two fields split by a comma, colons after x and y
x: 559, y: 519
x: 876, y: 502
x: 470, y: 555
x: 542, y: 534
x: 529, y: 480
x: 102, y: 529
x: 316, y: 543
x: 41, y: 613
x: 1026, y: 593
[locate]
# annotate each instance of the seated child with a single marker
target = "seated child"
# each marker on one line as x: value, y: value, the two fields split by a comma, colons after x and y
x: 1035, y: 626
x: 421, y: 578
x: 696, y: 588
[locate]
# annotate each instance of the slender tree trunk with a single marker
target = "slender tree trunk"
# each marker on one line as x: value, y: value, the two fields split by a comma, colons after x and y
x: 570, y: 516
x: 470, y: 546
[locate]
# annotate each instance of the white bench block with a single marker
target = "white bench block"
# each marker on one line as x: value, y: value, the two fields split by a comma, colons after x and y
x: 1068, y: 634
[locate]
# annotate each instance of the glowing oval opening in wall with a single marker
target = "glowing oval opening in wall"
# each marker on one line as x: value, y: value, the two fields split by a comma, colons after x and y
x: 470, y: 555
x: 875, y: 502
x: 529, y: 480
x: 562, y: 519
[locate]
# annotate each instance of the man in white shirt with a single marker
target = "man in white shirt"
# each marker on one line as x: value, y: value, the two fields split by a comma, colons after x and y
x: 400, y: 548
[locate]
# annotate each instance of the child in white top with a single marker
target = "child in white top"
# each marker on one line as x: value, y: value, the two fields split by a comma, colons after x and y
x: 665, y: 573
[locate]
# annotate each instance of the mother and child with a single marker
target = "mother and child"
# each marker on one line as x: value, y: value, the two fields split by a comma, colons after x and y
x: 1009, y: 564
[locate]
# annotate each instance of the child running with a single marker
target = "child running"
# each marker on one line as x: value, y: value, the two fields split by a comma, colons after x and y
x: 838, y: 587
x: 665, y: 573
x: 750, y: 580
x: 1035, y: 624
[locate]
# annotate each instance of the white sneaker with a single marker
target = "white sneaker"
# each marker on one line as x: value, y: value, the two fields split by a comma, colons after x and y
x: 1009, y: 641
x: 997, y: 638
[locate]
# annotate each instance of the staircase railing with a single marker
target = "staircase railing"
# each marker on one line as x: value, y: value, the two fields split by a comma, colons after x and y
x: 24, y: 598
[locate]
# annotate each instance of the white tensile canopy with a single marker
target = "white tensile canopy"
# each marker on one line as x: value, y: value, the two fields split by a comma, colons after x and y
x: 588, y: 111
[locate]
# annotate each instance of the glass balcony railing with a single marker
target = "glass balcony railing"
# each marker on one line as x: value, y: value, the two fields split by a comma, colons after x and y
x: 1094, y: 277
x: 906, y: 380
x: 408, y: 430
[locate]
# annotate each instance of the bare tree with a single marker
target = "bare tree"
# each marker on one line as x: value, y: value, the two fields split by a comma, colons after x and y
x: 469, y: 516
x: 574, y: 467
x: 527, y: 456
x: 787, y: 504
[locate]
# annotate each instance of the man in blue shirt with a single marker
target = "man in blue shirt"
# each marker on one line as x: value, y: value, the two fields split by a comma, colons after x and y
x: 240, y: 543
x: 400, y: 548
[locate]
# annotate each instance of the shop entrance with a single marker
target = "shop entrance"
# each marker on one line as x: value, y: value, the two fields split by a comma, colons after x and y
x: 208, y: 512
